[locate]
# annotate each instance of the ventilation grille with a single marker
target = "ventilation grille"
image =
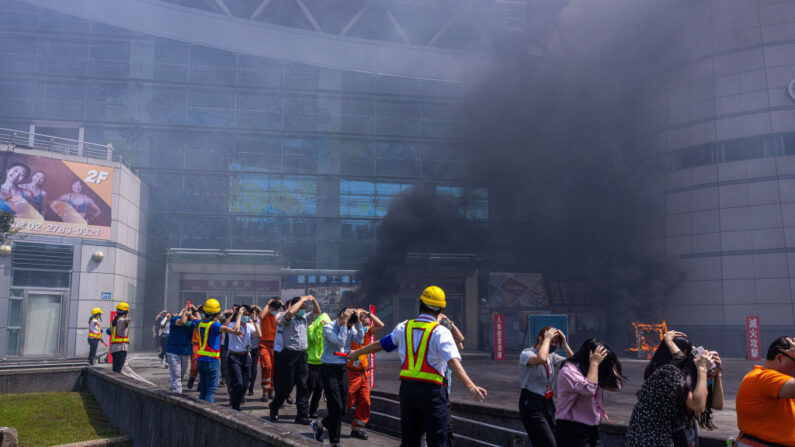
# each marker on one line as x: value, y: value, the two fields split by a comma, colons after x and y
x: 31, y: 256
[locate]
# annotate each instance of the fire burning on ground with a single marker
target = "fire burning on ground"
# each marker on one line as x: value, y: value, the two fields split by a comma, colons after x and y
x: 647, y: 337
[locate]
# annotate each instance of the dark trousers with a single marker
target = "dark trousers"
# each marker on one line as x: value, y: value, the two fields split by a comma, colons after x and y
x: 575, y: 434
x: 538, y: 417
x: 163, y: 343
x: 291, y: 370
x: 224, y: 365
x: 314, y: 387
x: 423, y: 409
x: 335, y: 385
x: 239, y: 366
x: 450, y: 440
x: 92, y: 349
x: 118, y: 360
x: 253, y: 373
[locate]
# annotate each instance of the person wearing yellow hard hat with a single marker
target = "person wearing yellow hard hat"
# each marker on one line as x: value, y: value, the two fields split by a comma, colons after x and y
x: 94, y: 333
x: 119, y: 332
x: 426, y: 349
x: 209, y: 354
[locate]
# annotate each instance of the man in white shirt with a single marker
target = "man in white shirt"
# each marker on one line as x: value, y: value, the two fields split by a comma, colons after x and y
x: 239, y: 361
x: 426, y: 349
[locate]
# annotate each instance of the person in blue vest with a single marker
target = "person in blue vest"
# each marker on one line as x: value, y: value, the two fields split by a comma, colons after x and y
x: 426, y: 349
x: 209, y: 353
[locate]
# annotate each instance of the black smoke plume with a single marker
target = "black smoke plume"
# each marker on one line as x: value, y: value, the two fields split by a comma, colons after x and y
x: 560, y: 139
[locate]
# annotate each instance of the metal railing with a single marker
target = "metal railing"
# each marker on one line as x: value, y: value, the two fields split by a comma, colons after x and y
x: 19, y: 139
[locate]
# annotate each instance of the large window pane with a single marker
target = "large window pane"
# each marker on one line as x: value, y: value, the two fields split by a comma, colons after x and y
x: 12, y: 341
x: 35, y: 278
x: 15, y: 313
x: 42, y: 324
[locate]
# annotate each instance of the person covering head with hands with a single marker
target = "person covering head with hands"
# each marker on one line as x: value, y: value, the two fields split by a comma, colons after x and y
x: 239, y: 360
x: 766, y: 398
x: 268, y: 330
x: 581, y: 383
x: 292, y: 368
x: 119, y: 332
x: 337, y: 338
x: 538, y: 372
x: 179, y: 347
x: 209, y: 353
x: 681, y: 387
x: 359, y: 376
x: 94, y: 333
x: 426, y: 349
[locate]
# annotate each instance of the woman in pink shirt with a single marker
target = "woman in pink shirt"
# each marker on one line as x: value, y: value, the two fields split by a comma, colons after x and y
x: 581, y: 384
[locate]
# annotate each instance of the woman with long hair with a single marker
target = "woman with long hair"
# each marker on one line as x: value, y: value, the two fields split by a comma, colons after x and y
x: 676, y: 396
x: 538, y: 370
x: 11, y: 193
x: 37, y: 193
x: 81, y: 203
x: 581, y: 384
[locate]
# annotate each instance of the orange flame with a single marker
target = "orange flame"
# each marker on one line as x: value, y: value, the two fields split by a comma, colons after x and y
x: 647, y: 336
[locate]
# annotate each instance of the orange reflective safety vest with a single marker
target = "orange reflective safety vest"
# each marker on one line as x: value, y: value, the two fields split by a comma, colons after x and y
x: 91, y: 333
x: 361, y: 363
x: 416, y: 366
x: 114, y: 337
x: 204, y: 349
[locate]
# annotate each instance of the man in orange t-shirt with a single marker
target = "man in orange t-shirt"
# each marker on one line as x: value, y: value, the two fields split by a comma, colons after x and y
x: 358, y: 380
x: 268, y: 328
x: 766, y: 399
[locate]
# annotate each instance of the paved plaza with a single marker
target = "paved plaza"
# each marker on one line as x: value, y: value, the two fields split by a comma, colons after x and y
x: 499, y: 378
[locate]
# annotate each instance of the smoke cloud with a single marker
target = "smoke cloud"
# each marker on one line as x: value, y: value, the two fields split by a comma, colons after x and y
x: 560, y: 141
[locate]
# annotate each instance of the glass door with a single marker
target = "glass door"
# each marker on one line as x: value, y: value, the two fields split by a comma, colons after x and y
x: 42, y: 334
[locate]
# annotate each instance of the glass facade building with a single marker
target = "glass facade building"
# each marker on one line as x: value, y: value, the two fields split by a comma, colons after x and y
x: 238, y: 151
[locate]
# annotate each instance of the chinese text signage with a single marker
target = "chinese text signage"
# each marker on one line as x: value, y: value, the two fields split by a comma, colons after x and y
x: 499, y: 337
x: 754, y: 338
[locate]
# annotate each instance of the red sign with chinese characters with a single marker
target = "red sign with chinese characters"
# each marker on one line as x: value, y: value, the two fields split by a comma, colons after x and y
x: 371, y: 360
x: 499, y: 337
x: 754, y: 338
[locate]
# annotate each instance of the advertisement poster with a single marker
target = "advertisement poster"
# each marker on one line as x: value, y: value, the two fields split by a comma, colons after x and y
x: 517, y: 290
x: 57, y: 197
x: 499, y: 337
x: 754, y: 338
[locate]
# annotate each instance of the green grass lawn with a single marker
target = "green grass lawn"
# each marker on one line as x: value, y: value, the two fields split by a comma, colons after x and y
x: 44, y: 419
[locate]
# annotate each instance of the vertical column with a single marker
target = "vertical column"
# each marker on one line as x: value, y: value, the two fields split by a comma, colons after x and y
x: 471, y: 301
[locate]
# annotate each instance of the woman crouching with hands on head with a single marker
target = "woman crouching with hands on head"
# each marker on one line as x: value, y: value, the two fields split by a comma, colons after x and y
x: 581, y: 384
x: 538, y: 371
x: 678, y: 394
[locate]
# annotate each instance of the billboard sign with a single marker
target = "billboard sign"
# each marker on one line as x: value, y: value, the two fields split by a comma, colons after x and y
x: 524, y: 290
x: 57, y: 197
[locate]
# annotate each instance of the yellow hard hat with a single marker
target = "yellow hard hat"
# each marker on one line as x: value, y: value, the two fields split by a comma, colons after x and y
x: 212, y: 306
x: 433, y: 296
x: 96, y: 310
x: 123, y: 307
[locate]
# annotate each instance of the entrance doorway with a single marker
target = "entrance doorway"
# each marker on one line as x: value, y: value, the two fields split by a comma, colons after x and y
x: 42, y: 334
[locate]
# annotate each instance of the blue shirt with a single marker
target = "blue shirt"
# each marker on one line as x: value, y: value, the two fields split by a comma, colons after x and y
x: 213, y: 338
x: 338, y: 338
x: 179, y: 339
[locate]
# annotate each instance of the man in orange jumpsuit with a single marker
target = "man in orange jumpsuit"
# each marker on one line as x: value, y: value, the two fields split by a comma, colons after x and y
x: 358, y: 379
x: 268, y: 328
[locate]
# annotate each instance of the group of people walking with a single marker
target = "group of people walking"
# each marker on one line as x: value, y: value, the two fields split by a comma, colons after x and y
x: 562, y: 395
x: 561, y: 400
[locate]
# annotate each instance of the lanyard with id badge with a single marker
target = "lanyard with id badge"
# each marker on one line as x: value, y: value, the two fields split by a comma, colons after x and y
x: 549, y: 393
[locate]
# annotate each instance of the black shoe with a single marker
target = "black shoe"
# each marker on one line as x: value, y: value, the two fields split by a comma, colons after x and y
x: 313, y: 415
x: 270, y: 394
x: 303, y: 421
x: 251, y: 392
x: 274, y: 417
x: 361, y: 434
x: 243, y: 400
x: 290, y: 400
x: 190, y: 383
x: 318, y: 432
x: 264, y: 396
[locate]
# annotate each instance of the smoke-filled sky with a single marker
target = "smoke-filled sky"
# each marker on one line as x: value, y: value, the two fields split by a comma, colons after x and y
x: 558, y: 140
